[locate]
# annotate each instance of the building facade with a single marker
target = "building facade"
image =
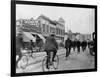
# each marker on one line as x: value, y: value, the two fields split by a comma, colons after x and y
x: 43, y: 25
x: 29, y: 25
x: 48, y: 26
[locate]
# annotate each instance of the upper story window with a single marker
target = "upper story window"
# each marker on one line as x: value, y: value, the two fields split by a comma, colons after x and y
x: 43, y: 26
x: 47, y: 28
x: 51, y: 29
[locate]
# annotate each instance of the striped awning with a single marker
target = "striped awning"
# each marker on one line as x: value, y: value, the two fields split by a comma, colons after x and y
x: 27, y: 36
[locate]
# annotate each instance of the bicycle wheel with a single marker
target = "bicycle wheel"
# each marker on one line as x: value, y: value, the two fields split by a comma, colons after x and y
x: 44, y: 64
x: 92, y: 52
x: 24, y: 62
x: 53, y: 66
x: 56, y: 62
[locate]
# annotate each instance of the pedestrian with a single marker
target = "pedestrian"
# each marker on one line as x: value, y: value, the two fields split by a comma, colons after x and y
x: 88, y: 43
x: 84, y: 44
x: 73, y: 44
x: 40, y: 45
x: 31, y: 47
x: 68, y: 46
x: 78, y: 43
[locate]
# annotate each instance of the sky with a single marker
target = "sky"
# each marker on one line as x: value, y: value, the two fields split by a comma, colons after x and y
x: 76, y: 19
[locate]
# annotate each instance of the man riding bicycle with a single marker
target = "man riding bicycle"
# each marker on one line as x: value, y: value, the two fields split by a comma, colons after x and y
x: 51, y: 46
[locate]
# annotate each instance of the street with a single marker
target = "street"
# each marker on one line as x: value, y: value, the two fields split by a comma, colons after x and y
x: 82, y: 60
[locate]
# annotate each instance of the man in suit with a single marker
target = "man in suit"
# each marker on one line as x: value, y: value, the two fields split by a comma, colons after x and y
x: 68, y: 47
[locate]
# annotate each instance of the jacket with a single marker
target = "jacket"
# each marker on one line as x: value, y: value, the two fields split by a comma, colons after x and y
x: 68, y: 43
x: 51, y: 44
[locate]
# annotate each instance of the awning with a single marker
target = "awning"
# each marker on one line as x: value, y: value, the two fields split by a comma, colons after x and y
x: 28, y: 36
x: 42, y: 37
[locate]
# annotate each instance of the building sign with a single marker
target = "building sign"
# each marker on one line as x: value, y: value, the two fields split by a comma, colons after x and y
x: 31, y: 25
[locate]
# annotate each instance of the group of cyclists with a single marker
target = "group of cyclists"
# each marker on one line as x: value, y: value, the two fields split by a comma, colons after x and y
x: 50, y: 46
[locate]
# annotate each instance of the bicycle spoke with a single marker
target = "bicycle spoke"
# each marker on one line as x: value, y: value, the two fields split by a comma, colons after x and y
x: 23, y: 62
x: 53, y: 66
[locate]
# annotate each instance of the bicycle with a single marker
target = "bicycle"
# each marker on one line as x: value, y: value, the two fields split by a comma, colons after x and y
x: 53, y: 65
x: 26, y: 56
x: 92, y: 48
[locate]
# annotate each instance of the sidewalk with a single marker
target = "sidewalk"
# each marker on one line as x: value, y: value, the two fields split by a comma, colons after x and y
x: 39, y: 56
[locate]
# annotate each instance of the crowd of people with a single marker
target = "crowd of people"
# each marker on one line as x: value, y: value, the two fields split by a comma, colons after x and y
x: 79, y: 44
x: 76, y: 44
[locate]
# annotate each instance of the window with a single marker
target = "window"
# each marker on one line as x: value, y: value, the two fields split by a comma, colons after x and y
x: 61, y: 32
x: 58, y: 31
x: 51, y: 29
x: 54, y: 30
x: 48, y: 28
x: 43, y: 26
x: 37, y: 23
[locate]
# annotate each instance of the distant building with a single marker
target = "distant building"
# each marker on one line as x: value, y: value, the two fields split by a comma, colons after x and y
x: 65, y: 37
x: 43, y: 25
x: 18, y: 26
x: 60, y: 29
x: 29, y: 25
x: 70, y: 34
x: 48, y: 26
x: 82, y: 37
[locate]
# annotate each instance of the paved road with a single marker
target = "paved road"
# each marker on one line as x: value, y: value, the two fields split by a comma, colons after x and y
x: 73, y: 62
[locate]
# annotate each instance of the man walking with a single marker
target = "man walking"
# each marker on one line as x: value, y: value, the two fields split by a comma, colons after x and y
x: 84, y: 44
x: 78, y: 45
x: 68, y: 47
